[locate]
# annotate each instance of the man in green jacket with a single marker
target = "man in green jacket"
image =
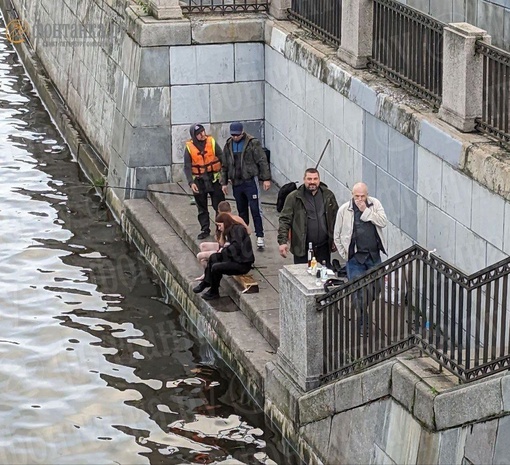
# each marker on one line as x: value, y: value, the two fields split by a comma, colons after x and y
x: 308, y: 216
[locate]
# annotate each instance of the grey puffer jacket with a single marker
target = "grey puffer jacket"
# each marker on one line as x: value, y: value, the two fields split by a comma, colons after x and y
x: 253, y: 162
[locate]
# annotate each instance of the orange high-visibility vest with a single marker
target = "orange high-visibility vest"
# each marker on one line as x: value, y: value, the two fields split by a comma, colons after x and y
x: 205, y: 161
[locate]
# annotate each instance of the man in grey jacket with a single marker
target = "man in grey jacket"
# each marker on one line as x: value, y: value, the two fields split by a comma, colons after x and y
x: 359, y: 240
x: 358, y: 231
x: 244, y: 165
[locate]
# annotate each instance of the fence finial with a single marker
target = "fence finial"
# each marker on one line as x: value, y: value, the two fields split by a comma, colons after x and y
x: 430, y: 252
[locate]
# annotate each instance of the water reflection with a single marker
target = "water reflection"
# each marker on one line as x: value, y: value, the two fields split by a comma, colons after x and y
x: 96, y: 367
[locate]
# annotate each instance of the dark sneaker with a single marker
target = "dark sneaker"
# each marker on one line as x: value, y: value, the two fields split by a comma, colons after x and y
x: 204, y: 234
x: 210, y: 295
x: 201, y: 287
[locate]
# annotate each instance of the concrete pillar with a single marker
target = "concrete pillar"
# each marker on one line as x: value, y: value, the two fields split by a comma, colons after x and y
x: 300, y: 354
x: 278, y: 8
x: 462, y: 76
x: 357, y: 34
x: 166, y: 9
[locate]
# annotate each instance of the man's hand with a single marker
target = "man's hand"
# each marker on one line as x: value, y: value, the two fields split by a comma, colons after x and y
x: 266, y: 185
x: 225, y: 189
x: 333, y: 247
x: 194, y: 188
x: 361, y: 204
x: 284, y: 250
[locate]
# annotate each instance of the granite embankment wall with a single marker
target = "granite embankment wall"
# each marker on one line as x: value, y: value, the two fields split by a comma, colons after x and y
x: 440, y: 188
x: 395, y: 413
x: 491, y: 15
x: 85, y: 69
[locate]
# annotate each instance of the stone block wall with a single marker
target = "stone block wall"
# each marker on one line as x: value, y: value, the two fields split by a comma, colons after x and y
x: 413, y: 162
x: 167, y: 88
x: 216, y: 84
x: 396, y: 412
x: 135, y: 84
x: 83, y: 67
x: 491, y: 15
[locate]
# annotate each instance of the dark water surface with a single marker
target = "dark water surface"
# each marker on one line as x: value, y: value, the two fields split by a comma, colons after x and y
x: 95, y: 366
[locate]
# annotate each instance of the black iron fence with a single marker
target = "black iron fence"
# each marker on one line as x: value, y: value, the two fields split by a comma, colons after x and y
x: 322, y: 17
x: 496, y: 91
x: 224, y: 6
x: 408, y: 49
x: 417, y: 300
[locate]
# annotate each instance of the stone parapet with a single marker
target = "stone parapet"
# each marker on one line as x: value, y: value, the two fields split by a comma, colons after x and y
x: 165, y: 9
x: 357, y: 32
x: 300, y: 353
x: 464, y: 405
x: 416, y: 415
x: 149, y: 31
x: 278, y: 9
x: 226, y: 30
x: 403, y: 384
x: 346, y: 394
x: 462, y: 76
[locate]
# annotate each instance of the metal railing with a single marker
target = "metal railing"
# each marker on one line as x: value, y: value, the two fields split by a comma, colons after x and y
x: 322, y: 17
x: 417, y: 300
x: 496, y: 91
x: 408, y: 49
x: 224, y: 6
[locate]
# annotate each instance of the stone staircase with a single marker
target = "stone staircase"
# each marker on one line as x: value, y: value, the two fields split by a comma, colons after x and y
x: 260, y: 308
x: 244, y: 328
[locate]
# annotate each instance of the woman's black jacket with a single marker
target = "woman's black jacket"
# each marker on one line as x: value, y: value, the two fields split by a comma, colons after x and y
x: 240, y: 249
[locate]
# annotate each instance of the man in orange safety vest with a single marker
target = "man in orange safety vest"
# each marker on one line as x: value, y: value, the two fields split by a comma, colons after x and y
x: 202, y: 168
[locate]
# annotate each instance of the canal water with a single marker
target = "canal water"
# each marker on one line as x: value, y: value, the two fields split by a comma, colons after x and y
x: 96, y: 367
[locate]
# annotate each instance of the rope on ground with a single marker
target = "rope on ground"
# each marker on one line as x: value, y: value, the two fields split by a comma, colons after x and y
x: 183, y: 194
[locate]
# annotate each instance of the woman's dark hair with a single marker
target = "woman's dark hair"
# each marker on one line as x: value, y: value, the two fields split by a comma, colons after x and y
x: 228, y: 222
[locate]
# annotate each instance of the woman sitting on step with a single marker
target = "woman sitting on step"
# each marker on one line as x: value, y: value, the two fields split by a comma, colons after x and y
x: 236, y: 258
x: 208, y: 248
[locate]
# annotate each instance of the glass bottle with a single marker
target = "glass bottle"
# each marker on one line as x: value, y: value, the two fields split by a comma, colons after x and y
x: 310, y: 254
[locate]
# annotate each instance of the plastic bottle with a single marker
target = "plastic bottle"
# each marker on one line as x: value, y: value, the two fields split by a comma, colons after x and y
x: 324, y: 271
x: 310, y: 254
x: 313, y: 265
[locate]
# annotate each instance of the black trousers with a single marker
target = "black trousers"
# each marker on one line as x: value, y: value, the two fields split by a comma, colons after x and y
x: 216, y: 195
x: 217, y: 267
x: 321, y: 253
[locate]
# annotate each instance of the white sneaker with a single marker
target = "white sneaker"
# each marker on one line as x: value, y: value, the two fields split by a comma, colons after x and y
x: 260, y: 242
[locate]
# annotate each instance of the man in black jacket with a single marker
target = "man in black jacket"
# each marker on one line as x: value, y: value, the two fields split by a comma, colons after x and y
x: 244, y: 165
x: 309, y: 215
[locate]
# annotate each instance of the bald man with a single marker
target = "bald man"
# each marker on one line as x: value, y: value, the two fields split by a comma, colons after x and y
x: 359, y: 240
x: 358, y: 231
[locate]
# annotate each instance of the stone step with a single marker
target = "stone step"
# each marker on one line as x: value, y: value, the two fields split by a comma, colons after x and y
x: 175, y: 206
x: 246, y: 345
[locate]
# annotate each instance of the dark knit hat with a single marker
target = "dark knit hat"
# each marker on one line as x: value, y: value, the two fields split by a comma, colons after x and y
x: 236, y: 129
x: 196, y: 129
